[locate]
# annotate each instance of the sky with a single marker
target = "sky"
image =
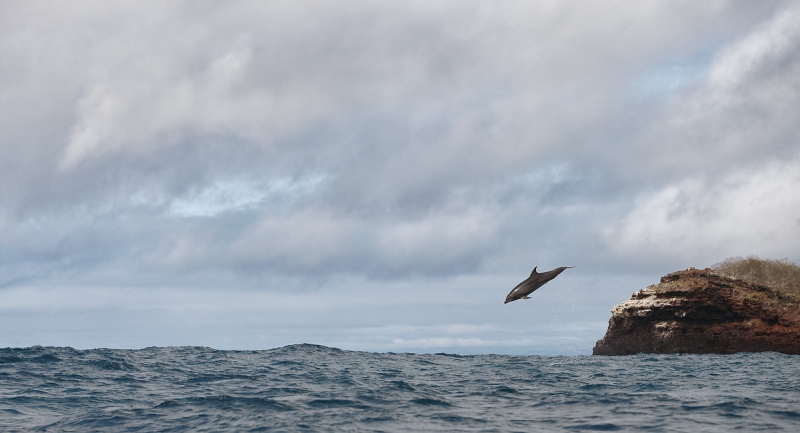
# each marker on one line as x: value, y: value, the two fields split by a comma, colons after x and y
x: 375, y: 175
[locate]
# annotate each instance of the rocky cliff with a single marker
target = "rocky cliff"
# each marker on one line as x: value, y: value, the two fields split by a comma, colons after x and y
x: 699, y: 311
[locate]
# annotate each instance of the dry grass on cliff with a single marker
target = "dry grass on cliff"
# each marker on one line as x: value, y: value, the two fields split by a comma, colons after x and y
x: 777, y: 274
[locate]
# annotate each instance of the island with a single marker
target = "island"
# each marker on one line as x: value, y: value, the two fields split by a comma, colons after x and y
x: 711, y: 311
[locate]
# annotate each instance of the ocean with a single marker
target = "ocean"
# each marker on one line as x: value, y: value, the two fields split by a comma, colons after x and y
x: 315, y: 388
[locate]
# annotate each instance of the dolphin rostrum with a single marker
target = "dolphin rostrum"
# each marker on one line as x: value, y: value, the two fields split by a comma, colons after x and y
x: 533, y: 282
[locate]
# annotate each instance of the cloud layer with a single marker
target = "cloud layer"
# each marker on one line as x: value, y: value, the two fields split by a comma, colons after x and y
x: 255, y: 146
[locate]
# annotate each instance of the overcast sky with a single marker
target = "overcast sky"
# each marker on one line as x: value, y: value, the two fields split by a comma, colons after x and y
x: 379, y: 175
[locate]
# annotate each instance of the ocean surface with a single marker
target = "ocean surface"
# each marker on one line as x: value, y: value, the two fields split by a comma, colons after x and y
x: 315, y: 388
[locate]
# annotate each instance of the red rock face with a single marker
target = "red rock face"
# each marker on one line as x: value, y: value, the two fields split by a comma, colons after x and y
x: 698, y: 311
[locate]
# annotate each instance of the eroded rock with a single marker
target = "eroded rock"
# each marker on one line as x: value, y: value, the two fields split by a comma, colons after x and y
x: 699, y: 311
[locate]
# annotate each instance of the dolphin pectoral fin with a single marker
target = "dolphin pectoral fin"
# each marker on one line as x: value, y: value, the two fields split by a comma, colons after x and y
x: 525, y: 297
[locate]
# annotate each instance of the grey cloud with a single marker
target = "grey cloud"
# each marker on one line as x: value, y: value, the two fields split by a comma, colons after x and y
x: 420, y: 119
x: 378, y: 175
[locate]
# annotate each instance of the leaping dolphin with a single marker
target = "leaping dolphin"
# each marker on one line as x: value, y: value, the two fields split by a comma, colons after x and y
x: 533, y: 282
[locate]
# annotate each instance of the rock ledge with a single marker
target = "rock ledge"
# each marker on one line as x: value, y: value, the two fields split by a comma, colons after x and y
x: 699, y: 311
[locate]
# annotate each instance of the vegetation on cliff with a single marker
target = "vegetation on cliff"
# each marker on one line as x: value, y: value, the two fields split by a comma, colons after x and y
x: 776, y: 274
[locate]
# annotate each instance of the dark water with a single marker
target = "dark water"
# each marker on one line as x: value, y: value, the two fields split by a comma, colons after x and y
x: 314, y: 388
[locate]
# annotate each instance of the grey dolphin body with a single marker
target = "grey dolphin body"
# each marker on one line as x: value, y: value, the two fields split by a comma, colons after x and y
x: 533, y: 282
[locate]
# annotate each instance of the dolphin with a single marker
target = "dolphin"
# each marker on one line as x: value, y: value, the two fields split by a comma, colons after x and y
x: 533, y: 282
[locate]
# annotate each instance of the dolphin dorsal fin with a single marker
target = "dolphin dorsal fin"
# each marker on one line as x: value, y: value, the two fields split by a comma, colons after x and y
x: 534, y: 271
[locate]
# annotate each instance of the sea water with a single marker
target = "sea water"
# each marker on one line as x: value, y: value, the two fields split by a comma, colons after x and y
x: 315, y: 388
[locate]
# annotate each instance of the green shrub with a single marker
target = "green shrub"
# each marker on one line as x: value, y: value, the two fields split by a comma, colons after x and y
x: 777, y: 274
